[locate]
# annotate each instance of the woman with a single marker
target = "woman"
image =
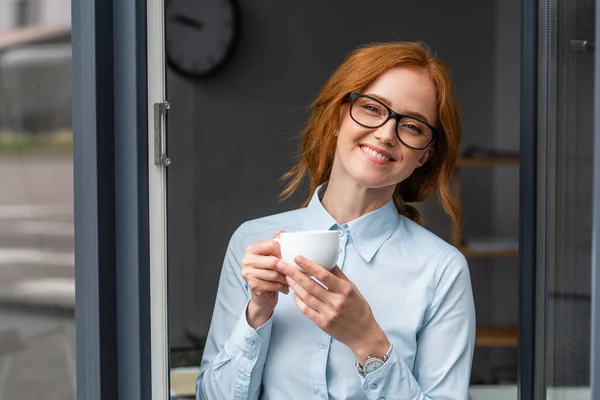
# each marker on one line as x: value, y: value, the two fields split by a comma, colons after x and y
x: 397, y: 320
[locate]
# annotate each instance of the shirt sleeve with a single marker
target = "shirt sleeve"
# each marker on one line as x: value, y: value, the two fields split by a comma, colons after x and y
x: 445, y: 344
x: 235, y: 353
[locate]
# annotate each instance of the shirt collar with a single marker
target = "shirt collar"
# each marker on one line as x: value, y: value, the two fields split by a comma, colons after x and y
x: 317, y: 217
x: 368, y: 232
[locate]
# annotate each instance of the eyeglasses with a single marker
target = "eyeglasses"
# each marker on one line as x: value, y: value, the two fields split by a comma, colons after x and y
x: 372, y: 113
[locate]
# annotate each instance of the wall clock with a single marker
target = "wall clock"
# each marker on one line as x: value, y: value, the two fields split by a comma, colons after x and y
x: 200, y: 35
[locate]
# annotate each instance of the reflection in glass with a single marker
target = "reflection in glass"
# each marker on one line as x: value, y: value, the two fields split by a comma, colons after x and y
x: 37, y: 325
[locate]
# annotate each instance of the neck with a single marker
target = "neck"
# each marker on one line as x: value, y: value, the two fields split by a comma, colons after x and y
x: 347, y: 201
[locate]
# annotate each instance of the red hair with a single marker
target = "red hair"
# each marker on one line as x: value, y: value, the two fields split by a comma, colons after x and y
x: 361, y: 68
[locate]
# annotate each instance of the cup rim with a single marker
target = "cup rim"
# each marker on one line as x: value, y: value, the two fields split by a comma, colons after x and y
x: 314, y: 232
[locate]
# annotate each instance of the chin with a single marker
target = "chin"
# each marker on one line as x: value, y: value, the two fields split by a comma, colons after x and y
x: 371, y: 180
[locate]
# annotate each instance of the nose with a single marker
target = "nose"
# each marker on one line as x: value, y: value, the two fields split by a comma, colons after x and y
x: 386, y: 133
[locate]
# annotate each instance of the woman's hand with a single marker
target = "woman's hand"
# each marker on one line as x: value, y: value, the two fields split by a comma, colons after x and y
x: 264, y: 281
x: 340, y: 311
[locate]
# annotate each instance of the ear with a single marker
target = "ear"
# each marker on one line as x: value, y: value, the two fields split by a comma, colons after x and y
x: 425, y: 157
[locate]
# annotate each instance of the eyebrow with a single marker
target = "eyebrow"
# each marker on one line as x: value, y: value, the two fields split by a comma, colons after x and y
x: 388, y: 103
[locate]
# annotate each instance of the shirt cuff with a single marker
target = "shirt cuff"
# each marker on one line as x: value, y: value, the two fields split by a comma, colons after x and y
x: 374, y: 384
x: 245, y: 343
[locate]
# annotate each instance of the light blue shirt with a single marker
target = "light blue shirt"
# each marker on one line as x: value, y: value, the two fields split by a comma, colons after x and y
x: 417, y: 285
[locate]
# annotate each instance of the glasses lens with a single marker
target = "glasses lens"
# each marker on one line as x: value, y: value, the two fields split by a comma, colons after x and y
x: 368, y: 112
x: 414, y: 133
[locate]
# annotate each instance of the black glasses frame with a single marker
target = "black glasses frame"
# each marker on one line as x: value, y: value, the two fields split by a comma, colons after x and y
x: 391, y: 114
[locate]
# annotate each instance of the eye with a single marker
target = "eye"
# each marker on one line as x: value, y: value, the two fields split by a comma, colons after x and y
x: 372, y: 109
x: 412, y: 126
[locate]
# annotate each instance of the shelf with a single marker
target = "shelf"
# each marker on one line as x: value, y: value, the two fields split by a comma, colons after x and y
x: 487, y: 253
x: 497, y: 336
x: 487, y: 161
x: 183, y: 381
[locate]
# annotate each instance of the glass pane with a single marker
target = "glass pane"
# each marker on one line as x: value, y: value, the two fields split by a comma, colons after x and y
x: 37, y: 324
x: 566, y: 155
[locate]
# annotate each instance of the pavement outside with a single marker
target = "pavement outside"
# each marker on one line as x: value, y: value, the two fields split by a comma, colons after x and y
x: 37, y: 285
x: 37, y: 288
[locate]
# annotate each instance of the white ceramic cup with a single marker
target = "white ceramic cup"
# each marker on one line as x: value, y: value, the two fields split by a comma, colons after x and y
x: 320, y: 247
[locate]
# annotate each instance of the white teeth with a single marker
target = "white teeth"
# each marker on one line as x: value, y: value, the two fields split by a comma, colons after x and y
x: 374, y: 153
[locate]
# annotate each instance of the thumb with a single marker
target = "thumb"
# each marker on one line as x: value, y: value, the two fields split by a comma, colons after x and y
x: 278, y: 233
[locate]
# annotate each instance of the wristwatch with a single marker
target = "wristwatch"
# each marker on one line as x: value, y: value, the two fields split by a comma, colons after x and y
x: 372, y: 363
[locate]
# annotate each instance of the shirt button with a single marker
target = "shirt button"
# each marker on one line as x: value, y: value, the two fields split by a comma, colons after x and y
x: 372, y: 386
x: 381, y: 398
x: 341, y: 233
x: 322, y: 345
x: 321, y: 395
x: 250, y: 341
x: 249, y: 356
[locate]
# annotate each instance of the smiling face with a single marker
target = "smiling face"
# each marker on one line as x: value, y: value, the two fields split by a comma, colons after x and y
x: 374, y: 157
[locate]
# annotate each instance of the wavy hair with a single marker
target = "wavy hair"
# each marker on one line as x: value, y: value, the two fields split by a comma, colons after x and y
x: 363, y: 66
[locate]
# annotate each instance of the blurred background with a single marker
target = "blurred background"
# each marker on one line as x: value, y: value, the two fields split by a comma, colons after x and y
x: 37, y: 323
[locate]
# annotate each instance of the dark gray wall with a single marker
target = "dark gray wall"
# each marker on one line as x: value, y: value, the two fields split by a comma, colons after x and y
x: 504, y: 273
x: 231, y: 137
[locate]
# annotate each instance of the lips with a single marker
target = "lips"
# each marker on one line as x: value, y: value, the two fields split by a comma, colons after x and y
x: 377, y: 153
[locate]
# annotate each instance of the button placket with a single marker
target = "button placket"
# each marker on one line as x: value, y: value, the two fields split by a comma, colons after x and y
x: 319, y: 356
x: 342, y: 249
x: 342, y: 253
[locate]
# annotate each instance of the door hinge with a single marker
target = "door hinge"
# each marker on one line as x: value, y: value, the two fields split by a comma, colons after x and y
x: 160, y: 114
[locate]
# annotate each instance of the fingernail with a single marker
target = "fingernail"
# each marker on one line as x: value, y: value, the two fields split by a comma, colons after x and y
x: 288, y: 280
x: 281, y: 265
x: 299, y: 260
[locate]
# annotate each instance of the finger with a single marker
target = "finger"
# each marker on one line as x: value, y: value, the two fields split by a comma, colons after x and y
x: 259, y: 286
x: 325, y: 277
x: 278, y: 233
x: 303, y: 280
x: 262, y: 262
x: 306, y: 309
x: 267, y: 247
x: 267, y: 275
x: 306, y: 296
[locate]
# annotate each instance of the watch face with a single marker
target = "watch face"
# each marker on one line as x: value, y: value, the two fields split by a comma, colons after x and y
x: 372, y: 365
x: 200, y: 34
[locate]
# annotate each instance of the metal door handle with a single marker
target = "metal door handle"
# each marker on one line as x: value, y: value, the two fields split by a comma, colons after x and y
x: 160, y: 112
x: 581, y: 46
